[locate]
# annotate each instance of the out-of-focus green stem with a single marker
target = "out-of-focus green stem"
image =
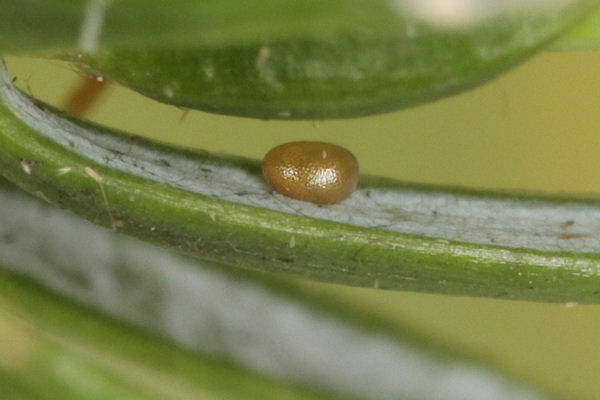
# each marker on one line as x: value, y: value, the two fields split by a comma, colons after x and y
x: 60, y: 350
x: 262, y: 325
x: 584, y: 36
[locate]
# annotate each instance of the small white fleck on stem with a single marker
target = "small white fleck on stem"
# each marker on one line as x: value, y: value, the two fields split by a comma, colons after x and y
x: 27, y: 166
x: 64, y: 170
x: 95, y: 176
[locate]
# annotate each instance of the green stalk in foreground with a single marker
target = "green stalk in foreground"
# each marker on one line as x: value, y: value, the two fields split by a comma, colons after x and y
x: 387, y: 234
x: 264, y: 326
x: 65, y: 352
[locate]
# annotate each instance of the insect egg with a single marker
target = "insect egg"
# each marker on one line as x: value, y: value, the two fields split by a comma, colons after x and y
x: 322, y: 173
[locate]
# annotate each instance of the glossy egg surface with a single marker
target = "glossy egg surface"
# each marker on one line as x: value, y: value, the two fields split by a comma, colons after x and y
x: 322, y: 173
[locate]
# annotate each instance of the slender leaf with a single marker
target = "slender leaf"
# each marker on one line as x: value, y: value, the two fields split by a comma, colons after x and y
x: 290, y: 59
x: 53, y: 349
x: 263, y: 325
x: 425, y: 56
x: 387, y: 234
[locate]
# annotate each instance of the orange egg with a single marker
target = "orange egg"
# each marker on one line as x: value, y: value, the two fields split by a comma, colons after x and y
x: 322, y: 173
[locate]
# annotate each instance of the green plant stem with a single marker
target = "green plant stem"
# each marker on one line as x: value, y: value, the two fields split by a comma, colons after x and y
x: 389, y: 235
x: 53, y: 349
x: 263, y: 325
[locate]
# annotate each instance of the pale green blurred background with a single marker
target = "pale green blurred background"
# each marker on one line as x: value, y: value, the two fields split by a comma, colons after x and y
x: 536, y: 127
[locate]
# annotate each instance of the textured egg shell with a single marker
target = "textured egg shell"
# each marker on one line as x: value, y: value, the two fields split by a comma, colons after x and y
x: 322, y: 173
